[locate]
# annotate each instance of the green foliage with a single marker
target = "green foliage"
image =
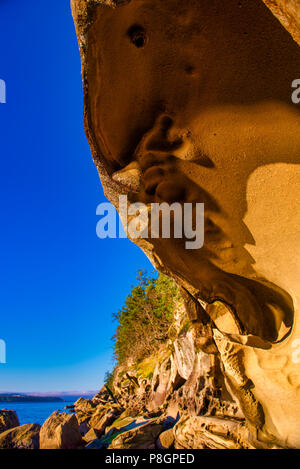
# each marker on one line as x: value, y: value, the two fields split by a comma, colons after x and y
x: 145, y: 318
x: 146, y: 367
x: 185, y: 327
x: 108, y: 379
x: 172, y: 332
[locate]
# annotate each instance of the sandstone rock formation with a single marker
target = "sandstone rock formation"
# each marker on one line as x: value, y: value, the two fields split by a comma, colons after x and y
x: 109, y: 425
x: 141, y: 437
x: 190, y: 102
x: 104, y: 417
x: 60, y: 431
x: 288, y: 13
x: 211, y: 433
x: 97, y: 413
x: 84, y: 409
x: 91, y: 435
x: 22, y: 437
x: 166, y: 439
x: 8, y: 419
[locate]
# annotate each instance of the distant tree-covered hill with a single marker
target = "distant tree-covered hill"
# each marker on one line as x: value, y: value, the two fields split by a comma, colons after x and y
x: 24, y: 398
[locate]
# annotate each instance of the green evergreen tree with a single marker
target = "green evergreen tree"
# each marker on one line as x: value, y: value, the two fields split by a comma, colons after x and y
x: 145, y: 317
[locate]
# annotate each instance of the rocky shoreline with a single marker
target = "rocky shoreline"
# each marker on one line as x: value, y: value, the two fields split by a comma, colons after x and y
x: 97, y: 423
x: 174, y: 399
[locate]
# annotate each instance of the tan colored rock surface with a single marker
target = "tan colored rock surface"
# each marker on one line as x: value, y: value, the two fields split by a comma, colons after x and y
x: 91, y: 435
x: 211, y: 433
x: 288, y: 13
x: 23, y: 437
x: 60, y: 431
x: 166, y: 439
x: 84, y: 409
x: 193, y: 101
x: 103, y: 418
x: 84, y: 405
x: 142, y: 437
x: 8, y: 419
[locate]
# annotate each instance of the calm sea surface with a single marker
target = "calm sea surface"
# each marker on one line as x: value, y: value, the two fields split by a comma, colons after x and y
x: 37, y: 412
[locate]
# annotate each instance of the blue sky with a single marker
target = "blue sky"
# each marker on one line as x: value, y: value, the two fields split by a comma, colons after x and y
x: 59, y: 283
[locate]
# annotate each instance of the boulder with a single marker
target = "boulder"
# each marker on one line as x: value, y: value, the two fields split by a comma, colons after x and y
x: 61, y: 431
x: 22, y: 437
x: 84, y: 405
x: 141, y: 437
x: 91, y: 435
x: 165, y: 440
x: 104, y: 418
x: 8, y: 419
x: 84, y: 409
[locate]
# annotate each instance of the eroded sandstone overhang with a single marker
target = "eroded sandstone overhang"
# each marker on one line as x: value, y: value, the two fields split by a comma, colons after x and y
x: 222, y: 88
x: 83, y: 11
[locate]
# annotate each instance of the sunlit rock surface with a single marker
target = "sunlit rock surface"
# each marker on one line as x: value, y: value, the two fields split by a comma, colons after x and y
x: 60, y: 431
x: 288, y: 12
x: 8, y: 419
x: 21, y: 437
x: 191, y: 102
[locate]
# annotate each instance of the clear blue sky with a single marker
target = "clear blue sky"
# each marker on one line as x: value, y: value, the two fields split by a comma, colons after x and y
x: 59, y: 283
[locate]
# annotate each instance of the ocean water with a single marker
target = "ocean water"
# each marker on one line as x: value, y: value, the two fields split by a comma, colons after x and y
x: 37, y: 412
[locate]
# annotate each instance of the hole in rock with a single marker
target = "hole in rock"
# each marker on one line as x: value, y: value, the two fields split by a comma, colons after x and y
x: 137, y: 35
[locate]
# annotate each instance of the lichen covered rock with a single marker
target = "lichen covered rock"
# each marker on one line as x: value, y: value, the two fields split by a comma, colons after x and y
x: 21, y: 437
x: 141, y: 437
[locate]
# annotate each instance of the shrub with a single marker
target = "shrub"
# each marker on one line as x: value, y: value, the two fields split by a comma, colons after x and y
x: 144, y: 319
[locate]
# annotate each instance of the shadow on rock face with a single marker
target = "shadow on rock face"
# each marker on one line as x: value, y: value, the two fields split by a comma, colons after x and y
x: 188, y: 102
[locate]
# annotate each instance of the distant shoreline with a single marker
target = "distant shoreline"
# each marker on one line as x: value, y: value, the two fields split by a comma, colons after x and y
x: 28, y: 399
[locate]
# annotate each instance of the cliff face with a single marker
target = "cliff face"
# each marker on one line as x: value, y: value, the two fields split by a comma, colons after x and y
x: 190, y: 102
x: 183, y: 384
x: 175, y: 398
x: 164, y: 401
